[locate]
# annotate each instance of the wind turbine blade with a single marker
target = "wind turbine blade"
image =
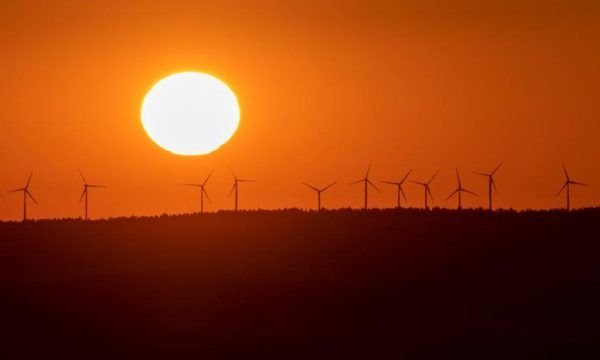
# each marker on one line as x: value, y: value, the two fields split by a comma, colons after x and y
x: 390, y: 183
x: 232, y: 188
x: 470, y: 192
x: 480, y: 173
x: 451, y: 195
x: 82, y: 194
x: 578, y: 183
x: 310, y: 186
x: 373, y: 185
x: 232, y: 173
x: 430, y: 194
x: 82, y: 177
x: 458, y: 178
x: 562, y: 188
x: 328, y: 186
x: 405, y: 177
x: 403, y: 194
x: 96, y: 186
x: 208, y: 177
x: 368, y: 170
x: 15, y: 190
x: 31, y: 196
x: 494, y: 184
x: 357, y: 181
x: 565, y: 170
x: 496, y: 169
x: 419, y: 183
x: 245, y: 180
x: 206, y: 194
x: 28, y: 180
x: 433, y: 177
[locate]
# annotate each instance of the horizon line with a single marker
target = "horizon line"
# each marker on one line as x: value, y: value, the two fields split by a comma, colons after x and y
x: 243, y: 212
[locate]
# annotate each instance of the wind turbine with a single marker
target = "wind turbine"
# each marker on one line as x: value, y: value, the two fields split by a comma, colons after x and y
x: 398, y: 185
x: 26, y: 194
x: 491, y: 183
x: 367, y: 182
x: 202, y: 191
x: 567, y: 185
x: 236, y: 182
x: 319, y: 191
x: 426, y: 188
x: 84, y: 194
x: 459, y: 191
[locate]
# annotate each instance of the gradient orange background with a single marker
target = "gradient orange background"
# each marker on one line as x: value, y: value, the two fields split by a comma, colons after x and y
x: 324, y: 88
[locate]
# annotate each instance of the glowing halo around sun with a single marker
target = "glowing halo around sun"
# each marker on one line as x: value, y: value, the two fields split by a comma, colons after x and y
x: 190, y: 113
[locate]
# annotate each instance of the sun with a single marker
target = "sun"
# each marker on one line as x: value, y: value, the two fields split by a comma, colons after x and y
x: 190, y: 113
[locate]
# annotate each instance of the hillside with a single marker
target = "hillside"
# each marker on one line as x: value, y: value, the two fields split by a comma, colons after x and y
x: 304, y: 284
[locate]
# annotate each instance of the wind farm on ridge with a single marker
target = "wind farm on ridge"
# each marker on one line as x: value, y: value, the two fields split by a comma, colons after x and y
x: 366, y: 182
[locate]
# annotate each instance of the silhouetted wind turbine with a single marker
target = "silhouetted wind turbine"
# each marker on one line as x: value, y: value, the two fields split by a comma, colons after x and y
x: 398, y: 185
x: 367, y: 182
x: 202, y: 191
x: 491, y: 183
x: 568, y: 183
x: 86, y: 186
x: 236, y: 182
x: 426, y: 188
x: 459, y: 191
x: 319, y: 191
x: 26, y: 194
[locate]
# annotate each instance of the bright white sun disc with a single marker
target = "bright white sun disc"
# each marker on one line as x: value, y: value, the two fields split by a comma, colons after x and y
x: 190, y: 113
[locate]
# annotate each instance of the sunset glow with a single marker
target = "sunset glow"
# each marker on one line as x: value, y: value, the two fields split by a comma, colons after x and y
x: 409, y: 179
x: 320, y: 90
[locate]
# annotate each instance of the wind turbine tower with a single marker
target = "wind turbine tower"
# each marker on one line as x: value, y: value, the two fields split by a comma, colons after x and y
x: 26, y: 194
x: 84, y: 194
x: 567, y: 185
x: 319, y: 191
x: 235, y: 187
x: 427, y: 189
x: 203, y: 192
x: 399, y: 189
x: 459, y: 190
x: 366, y: 182
x: 491, y: 184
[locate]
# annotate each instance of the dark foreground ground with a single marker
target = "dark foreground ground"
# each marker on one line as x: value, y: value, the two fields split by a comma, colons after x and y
x: 291, y: 284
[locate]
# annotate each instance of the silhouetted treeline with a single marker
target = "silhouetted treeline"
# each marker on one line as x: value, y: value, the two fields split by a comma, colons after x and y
x: 291, y: 283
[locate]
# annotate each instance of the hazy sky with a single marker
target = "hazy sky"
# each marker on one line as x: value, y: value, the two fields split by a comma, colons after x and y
x: 324, y: 89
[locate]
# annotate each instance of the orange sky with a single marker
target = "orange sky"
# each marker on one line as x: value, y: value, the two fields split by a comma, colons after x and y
x: 324, y: 88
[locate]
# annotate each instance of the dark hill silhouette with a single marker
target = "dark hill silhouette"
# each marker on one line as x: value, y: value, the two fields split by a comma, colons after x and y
x: 289, y: 284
